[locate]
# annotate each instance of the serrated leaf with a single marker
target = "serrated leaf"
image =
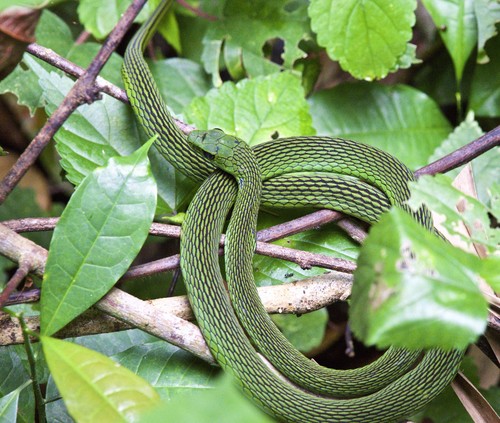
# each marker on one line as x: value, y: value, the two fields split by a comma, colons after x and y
x: 98, y: 235
x: 367, y: 37
x: 223, y: 404
x: 248, y: 26
x: 94, y: 387
x: 485, y: 168
x: 398, y: 119
x: 255, y: 109
x: 443, y: 198
x: 413, y: 290
x: 107, y: 128
x: 170, y: 370
x: 456, y: 21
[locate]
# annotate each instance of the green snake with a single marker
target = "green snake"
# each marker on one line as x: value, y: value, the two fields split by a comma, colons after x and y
x: 301, y: 171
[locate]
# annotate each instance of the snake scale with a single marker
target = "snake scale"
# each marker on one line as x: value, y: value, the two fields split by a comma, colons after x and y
x: 356, y: 179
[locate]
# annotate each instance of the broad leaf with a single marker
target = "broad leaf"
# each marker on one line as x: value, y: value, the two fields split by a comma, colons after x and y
x: 9, y: 404
x: 487, y: 15
x: 456, y: 21
x: 99, y: 234
x: 414, y: 290
x: 180, y: 81
x: 305, y: 332
x: 485, y: 89
x: 95, y: 133
x: 243, y: 30
x: 255, y: 109
x: 368, y: 37
x: 12, y: 376
x: 94, y: 387
x: 170, y: 370
x: 98, y: 17
x: 224, y: 404
x: 398, y: 119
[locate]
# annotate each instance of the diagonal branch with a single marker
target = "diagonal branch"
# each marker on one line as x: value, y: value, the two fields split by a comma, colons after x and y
x: 83, y: 91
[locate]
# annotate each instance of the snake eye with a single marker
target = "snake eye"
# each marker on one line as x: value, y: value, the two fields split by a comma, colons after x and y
x: 208, y: 155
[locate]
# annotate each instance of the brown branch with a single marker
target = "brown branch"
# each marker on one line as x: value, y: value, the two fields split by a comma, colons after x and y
x: 463, y: 155
x: 14, y: 282
x: 304, y: 259
x: 59, y: 62
x: 83, y: 91
x: 298, y: 297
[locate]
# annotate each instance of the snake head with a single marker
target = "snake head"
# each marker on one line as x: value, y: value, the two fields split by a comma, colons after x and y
x: 218, y: 147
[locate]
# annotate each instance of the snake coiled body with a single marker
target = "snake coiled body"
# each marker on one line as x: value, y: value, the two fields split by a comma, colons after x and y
x: 302, y: 171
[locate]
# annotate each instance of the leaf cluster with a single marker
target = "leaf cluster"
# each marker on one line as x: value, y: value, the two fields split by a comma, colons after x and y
x: 416, y: 82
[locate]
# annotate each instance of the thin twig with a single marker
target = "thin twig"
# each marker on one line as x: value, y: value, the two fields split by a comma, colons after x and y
x: 304, y: 259
x: 14, y: 282
x: 463, y: 155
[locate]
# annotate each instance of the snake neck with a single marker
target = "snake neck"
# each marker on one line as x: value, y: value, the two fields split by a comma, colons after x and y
x: 241, y: 231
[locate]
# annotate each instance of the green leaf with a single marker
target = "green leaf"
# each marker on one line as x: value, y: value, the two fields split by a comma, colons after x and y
x: 414, y: 290
x: 443, y: 198
x: 245, y: 27
x: 487, y: 15
x: 398, y: 119
x: 107, y: 128
x: 255, y: 109
x: 12, y: 376
x: 367, y: 37
x: 179, y: 81
x: 94, y: 387
x: 99, y: 234
x: 457, y: 23
x: 21, y: 203
x: 485, y: 90
x: 9, y: 404
x: 8, y: 407
x: 224, y: 404
x: 170, y: 370
x: 98, y: 17
x: 305, y: 332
